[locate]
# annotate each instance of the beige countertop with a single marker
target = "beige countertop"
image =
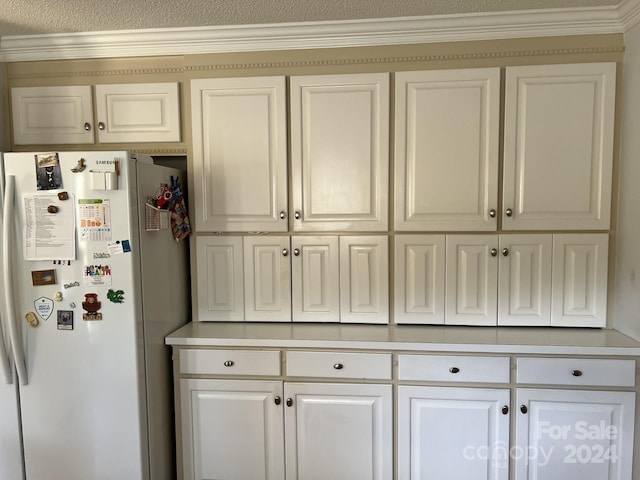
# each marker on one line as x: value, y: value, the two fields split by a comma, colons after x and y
x: 516, y: 340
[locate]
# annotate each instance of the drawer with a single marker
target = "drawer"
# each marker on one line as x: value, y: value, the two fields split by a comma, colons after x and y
x: 455, y: 368
x: 576, y: 371
x: 230, y: 362
x: 339, y: 365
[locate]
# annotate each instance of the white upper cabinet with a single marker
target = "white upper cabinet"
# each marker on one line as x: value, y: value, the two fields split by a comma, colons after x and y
x: 126, y: 113
x: 340, y: 152
x: 52, y: 115
x: 239, y: 154
x: 558, y: 146
x: 446, y: 149
x: 138, y: 112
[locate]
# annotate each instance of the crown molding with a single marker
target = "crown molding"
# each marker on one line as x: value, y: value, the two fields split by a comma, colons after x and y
x: 306, y: 35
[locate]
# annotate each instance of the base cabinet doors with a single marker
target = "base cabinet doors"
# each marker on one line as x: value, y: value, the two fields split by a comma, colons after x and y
x: 562, y: 434
x: 453, y: 433
x: 231, y: 430
x: 338, y: 431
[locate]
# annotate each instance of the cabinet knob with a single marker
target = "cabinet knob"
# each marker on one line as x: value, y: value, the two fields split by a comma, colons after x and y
x: 87, y: 126
x: 297, y: 215
x: 508, y: 212
x: 505, y: 252
x: 289, y: 402
x: 505, y: 409
x: 296, y: 251
x: 454, y: 369
x: 576, y: 373
x: 283, y: 215
x: 338, y: 366
x: 277, y: 400
x: 492, y: 213
x: 101, y: 126
x: 494, y: 252
x: 228, y: 363
x: 285, y: 252
x: 524, y: 409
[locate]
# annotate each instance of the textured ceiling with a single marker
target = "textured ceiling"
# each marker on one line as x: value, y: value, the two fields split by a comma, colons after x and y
x: 20, y: 17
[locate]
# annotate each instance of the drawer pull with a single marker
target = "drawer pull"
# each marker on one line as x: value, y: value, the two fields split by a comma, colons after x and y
x: 454, y: 369
x: 576, y: 373
x: 228, y: 363
x: 505, y: 409
x: 523, y: 408
x: 338, y: 366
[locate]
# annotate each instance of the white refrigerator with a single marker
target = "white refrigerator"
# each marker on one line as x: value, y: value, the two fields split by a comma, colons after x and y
x: 92, y: 282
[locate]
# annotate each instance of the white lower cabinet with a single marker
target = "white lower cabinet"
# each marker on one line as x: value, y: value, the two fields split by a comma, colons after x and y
x: 449, y: 433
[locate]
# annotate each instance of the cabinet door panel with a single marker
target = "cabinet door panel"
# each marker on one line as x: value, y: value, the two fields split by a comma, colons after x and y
x: 472, y: 280
x: 52, y: 115
x: 419, y: 279
x: 220, y: 278
x: 339, y: 431
x: 267, y: 279
x: 231, y: 429
x: 339, y: 151
x: 447, y: 122
x: 315, y: 279
x: 364, y: 279
x: 580, y: 270
x: 559, y: 146
x: 138, y: 112
x: 453, y: 433
x: 574, y: 434
x: 240, y: 154
x: 525, y: 280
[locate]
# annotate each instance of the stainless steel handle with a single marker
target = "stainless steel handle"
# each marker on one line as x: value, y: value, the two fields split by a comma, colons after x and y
x: 228, y: 363
x: 576, y: 373
x: 283, y: 215
x: 494, y: 252
x: 508, y: 212
x: 289, y: 402
x: 87, y: 126
x: 505, y: 252
x: 524, y: 409
x: 454, y: 369
x: 492, y: 213
x: 338, y: 366
x: 285, y: 252
x: 296, y: 251
x: 505, y: 409
x: 297, y: 215
x: 101, y: 126
x: 14, y: 333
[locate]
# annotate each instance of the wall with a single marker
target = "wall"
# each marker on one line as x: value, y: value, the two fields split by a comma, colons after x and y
x: 626, y: 315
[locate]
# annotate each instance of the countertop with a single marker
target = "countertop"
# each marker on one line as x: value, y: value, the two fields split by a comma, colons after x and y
x: 419, y: 338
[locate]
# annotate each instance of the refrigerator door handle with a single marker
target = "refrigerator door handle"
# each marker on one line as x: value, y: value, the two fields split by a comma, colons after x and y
x: 14, y: 334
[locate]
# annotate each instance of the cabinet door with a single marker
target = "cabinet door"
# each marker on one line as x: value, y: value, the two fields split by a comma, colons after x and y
x: 453, y: 433
x: 138, y: 112
x: 52, y: 115
x: 231, y: 429
x: 419, y: 279
x: 340, y: 152
x: 579, y: 285
x: 563, y: 434
x: 267, y: 279
x: 338, y: 431
x: 558, y: 146
x: 315, y: 279
x: 364, y: 279
x: 219, y: 285
x: 525, y: 280
x: 446, y: 149
x: 472, y: 280
x: 239, y: 154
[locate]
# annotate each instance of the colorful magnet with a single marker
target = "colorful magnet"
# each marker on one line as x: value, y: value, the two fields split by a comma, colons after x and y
x: 65, y: 319
x: 31, y: 319
x: 97, y: 275
x: 115, y: 296
x: 44, y: 307
x: 43, y: 277
x: 48, y: 174
x: 91, y: 305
